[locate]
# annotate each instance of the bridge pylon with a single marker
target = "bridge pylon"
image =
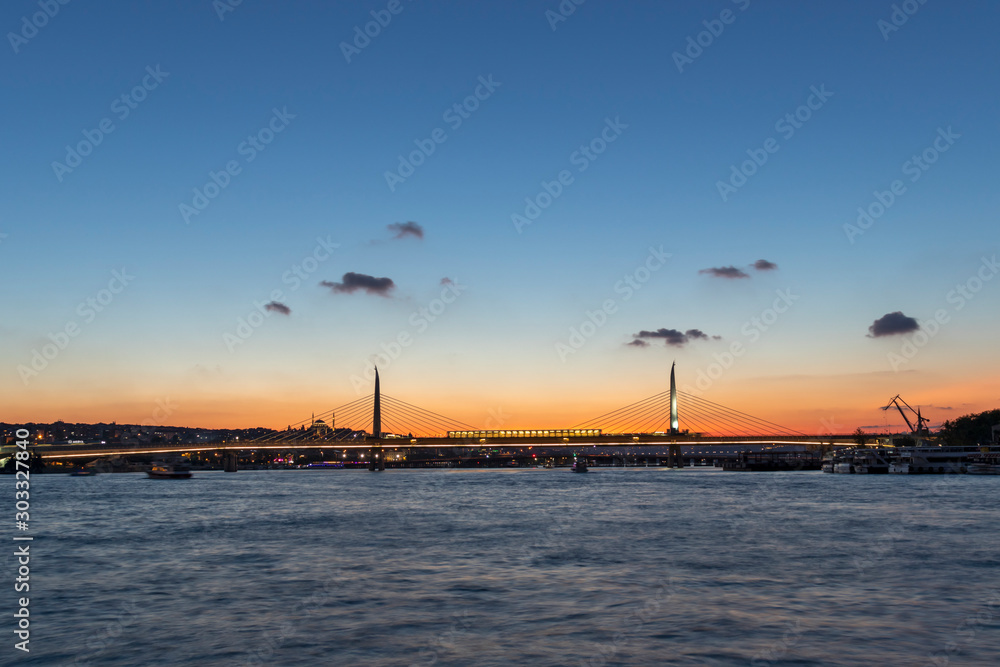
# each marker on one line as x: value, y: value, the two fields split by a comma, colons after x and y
x: 376, y: 457
x: 673, y: 402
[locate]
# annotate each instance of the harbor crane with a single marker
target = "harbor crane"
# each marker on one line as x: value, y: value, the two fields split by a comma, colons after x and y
x: 921, y: 426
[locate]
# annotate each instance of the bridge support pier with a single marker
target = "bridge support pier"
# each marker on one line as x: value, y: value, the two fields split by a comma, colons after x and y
x: 376, y: 458
x: 674, y: 459
x: 229, y: 460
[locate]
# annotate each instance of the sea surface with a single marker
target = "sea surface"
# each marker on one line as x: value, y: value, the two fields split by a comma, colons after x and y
x: 638, y: 566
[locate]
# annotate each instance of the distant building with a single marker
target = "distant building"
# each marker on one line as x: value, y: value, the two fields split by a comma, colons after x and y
x: 319, y: 428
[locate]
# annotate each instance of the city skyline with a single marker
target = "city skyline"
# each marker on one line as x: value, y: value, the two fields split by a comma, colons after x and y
x: 516, y: 212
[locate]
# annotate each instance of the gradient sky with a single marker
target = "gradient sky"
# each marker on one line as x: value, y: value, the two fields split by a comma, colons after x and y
x: 491, y: 357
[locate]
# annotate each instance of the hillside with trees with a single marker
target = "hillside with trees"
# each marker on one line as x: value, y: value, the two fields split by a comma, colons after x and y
x: 973, y: 429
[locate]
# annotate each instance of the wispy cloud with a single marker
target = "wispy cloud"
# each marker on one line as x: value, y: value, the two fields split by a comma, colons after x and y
x: 278, y: 307
x: 403, y: 229
x: 670, y: 337
x: 726, y: 272
x: 352, y: 282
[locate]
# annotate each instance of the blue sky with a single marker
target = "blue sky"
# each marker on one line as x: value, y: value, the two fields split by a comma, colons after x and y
x: 656, y: 184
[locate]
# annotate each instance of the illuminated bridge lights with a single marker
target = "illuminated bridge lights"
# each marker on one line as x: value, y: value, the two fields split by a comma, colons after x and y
x: 563, y: 433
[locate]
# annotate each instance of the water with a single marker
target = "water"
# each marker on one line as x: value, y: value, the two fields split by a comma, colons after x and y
x: 499, y: 567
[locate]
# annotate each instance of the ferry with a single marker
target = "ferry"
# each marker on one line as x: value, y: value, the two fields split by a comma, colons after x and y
x: 845, y: 466
x: 927, y: 460
x: 163, y: 470
x: 872, y: 461
x: 579, y: 465
x: 987, y: 463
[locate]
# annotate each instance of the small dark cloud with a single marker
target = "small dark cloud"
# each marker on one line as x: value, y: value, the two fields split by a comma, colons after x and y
x: 892, y: 324
x: 277, y: 307
x: 403, y: 229
x: 670, y: 337
x: 352, y: 282
x: 726, y: 272
x: 447, y: 281
x: 696, y: 333
x: 764, y: 265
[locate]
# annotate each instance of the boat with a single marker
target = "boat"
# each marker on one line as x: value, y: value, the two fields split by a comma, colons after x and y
x: 82, y: 472
x: 166, y: 470
x: 986, y: 463
x: 579, y: 465
x: 843, y: 467
x: 926, y: 460
x: 872, y: 461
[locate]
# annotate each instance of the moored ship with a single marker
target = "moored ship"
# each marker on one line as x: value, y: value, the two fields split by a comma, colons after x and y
x: 169, y: 470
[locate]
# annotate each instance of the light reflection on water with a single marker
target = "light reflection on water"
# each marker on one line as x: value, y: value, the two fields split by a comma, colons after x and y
x: 498, y: 567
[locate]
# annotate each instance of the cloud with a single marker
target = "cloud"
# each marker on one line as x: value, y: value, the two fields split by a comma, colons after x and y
x: 447, y: 281
x: 276, y: 307
x: 403, y: 229
x: 726, y: 272
x: 352, y: 282
x: 670, y: 337
x: 892, y: 324
x: 764, y: 265
x: 695, y: 334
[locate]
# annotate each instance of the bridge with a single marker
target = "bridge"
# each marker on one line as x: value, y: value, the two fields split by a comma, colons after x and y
x: 382, y: 426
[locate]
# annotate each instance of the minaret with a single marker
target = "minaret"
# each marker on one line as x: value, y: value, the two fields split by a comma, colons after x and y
x: 673, y: 400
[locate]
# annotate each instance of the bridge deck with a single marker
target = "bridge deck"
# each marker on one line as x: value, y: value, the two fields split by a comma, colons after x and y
x: 604, y: 440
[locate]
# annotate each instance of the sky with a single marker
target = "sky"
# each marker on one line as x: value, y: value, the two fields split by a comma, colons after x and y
x: 221, y: 214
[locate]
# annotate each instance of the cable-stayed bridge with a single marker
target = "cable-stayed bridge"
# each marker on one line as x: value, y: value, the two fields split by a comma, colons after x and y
x: 668, y: 420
